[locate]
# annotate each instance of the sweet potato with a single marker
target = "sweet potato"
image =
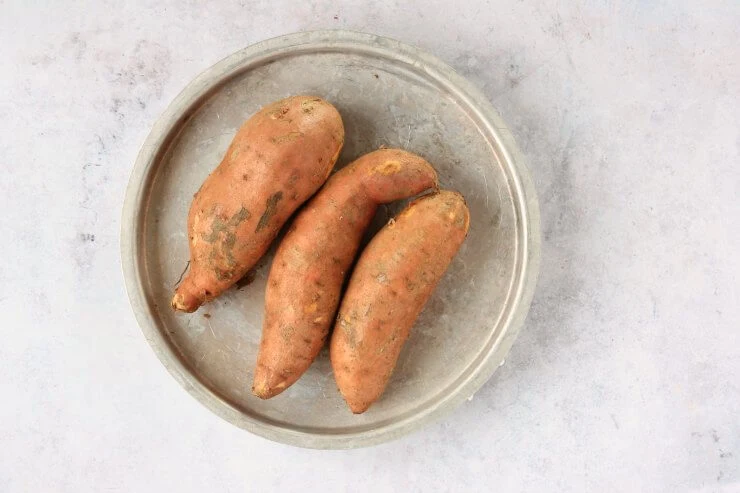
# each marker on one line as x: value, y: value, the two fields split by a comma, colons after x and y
x: 277, y: 160
x: 306, y: 277
x: 393, y: 279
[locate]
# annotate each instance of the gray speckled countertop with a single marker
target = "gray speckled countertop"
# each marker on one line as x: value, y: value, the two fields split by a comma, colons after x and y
x: 626, y: 376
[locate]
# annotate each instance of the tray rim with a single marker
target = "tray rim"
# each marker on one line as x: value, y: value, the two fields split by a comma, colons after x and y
x: 179, y: 110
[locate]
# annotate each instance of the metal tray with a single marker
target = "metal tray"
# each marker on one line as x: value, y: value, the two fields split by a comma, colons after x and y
x: 388, y: 94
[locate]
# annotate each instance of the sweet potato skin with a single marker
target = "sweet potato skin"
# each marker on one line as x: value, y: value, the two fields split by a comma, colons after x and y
x: 276, y: 161
x: 306, y: 277
x: 393, y: 279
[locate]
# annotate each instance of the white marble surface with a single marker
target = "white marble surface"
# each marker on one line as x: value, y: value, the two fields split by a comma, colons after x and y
x: 627, y: 374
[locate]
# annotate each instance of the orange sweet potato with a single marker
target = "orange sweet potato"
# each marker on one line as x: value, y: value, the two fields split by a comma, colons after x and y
x: 277, y: 160
x: 393, y: 279
x: 306, y: 277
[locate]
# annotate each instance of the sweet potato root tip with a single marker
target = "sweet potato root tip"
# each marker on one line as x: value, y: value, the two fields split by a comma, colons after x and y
x: 266, y: 387
x: 358, y: 408
x: 185, y: 302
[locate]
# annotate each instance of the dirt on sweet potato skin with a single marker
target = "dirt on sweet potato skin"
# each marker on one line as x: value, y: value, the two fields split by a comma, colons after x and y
x: 312, y: 261
x: 393, y: 279
x: 276, y: 161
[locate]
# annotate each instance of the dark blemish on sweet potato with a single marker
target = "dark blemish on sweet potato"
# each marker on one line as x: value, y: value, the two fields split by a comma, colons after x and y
x: 245, y: 177
x: 287, y: 332
x: 240, y: 216
x: 219, y: 225
x: 307, y: 340
x: 270, y: 208
x: 223, y: 245
x: 294, y: 176
x: 410, y: 285
x: 246, y: 279
x: 230, y: 259
x: 230, y: 240
x: 376, y: 76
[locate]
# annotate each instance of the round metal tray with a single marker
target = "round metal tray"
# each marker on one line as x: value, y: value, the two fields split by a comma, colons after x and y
x: 388, y: 94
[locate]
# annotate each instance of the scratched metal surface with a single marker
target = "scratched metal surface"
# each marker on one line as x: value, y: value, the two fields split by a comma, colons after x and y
x: 388, y: 94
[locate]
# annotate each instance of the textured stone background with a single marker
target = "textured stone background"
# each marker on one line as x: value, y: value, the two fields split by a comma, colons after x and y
x: 627, y: 374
